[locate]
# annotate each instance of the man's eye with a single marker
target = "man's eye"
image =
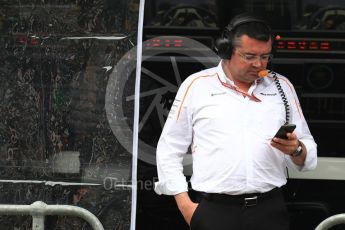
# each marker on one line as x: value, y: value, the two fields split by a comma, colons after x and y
x: 250, y: 57
x: 265, y: 57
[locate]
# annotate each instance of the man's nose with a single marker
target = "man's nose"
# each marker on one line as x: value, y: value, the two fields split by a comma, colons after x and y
x: 258, y: 62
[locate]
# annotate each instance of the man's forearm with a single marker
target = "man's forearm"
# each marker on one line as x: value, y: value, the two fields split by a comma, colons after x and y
x: 185, y: 205
x: 301, y: 158
x: 183, y: 200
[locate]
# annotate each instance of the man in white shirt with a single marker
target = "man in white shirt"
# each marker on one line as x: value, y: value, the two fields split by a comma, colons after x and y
x: 228, y: 116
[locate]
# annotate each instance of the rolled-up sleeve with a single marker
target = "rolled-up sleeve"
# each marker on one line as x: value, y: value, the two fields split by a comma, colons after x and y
x: 173, y: 144
x: 303, y: 134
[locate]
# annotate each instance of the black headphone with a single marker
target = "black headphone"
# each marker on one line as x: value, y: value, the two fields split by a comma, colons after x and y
x: 223, y: 45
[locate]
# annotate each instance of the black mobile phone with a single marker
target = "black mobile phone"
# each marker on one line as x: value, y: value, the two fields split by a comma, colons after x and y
x: 284, y: 129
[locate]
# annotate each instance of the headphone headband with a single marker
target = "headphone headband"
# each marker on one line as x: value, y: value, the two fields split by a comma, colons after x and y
x: 223, y: 45
x: 243, y: 20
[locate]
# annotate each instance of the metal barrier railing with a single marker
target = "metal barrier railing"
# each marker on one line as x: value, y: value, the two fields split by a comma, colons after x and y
x: 38, y: 210
x: 331, y: 221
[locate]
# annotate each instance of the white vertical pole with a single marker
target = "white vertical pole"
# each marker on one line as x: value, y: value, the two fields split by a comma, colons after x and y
x: 136, y: 114
x: 38, y: 222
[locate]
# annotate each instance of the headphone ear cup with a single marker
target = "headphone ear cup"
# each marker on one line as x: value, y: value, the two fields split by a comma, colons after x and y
x: 223, y: 48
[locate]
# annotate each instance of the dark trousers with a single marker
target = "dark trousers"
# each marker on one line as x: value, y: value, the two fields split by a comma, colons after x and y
x: 220, y: 213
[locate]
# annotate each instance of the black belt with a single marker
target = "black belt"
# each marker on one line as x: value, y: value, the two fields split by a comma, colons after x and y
x: 247, y: 200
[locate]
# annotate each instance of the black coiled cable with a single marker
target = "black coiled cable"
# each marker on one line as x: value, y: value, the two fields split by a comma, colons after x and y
x: 283, y: 96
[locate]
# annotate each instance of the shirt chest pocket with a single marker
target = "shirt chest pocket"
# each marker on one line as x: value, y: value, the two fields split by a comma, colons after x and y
x: 207, y: 115
x: 268, y: 116
x: 216, y: 119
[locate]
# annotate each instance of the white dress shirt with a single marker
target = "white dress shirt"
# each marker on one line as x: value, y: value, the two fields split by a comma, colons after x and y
x: 229, y: 136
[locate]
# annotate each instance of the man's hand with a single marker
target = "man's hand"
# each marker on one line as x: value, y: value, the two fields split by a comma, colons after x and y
x: 186, y: 206
x: 289, y: 146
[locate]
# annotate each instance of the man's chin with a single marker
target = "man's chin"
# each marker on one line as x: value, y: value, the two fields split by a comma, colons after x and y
x: 253, y: 75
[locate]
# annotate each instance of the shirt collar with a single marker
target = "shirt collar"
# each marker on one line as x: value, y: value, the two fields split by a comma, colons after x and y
x: 222, y: 76
x: 226, y: 82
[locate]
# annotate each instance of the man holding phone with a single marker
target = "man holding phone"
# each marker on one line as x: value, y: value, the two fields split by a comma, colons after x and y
x: 284, y: 140
x: 228, y: 116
